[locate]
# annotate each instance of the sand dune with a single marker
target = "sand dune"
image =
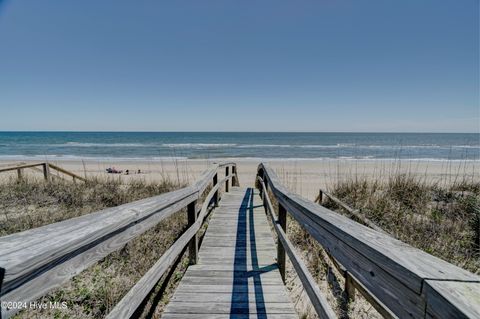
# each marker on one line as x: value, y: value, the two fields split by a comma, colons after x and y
x: 303, y: 176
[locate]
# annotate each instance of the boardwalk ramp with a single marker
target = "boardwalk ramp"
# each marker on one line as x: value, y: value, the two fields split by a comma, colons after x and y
x: 236, y: 275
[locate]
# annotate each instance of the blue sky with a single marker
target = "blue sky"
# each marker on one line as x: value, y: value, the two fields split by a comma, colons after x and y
x: 240, y: 65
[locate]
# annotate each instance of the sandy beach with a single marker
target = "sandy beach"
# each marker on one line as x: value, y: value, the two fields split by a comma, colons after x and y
x: 303, y: 176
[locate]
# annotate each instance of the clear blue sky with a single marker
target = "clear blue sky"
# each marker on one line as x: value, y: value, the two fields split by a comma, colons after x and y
x: 321, y: 65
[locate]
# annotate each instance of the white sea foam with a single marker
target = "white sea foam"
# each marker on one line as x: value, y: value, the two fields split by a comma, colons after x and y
x: 260, y: 158
x: 246, y: 146
x: 198, y: 145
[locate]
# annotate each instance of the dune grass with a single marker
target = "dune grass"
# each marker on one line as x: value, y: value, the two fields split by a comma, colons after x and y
x: 441, y: 219
x: 31, y: 203
x: 440, y: 216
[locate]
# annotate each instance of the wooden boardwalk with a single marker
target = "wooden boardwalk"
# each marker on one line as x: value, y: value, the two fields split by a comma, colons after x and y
x: 236, y: 275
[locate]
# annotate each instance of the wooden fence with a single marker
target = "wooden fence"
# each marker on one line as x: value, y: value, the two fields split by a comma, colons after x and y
x: 45, y: 168
x: 36, y: 261
x: 399, y: 280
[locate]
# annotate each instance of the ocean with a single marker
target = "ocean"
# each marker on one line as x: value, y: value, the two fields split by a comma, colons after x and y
x: 206, y: 145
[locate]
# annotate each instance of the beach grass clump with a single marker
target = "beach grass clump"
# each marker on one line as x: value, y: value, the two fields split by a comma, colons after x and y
x: 31, y: 203
x: 439, y: 218
x: 95, y: 292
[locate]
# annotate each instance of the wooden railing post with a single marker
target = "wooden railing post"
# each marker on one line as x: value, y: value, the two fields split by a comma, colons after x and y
x: 234, y: 176
x: 265, y: 194
x: 264, y: 198
x: 193, y: 244
x: 320, y: 197
x: 282, y: 220
x: 265, y: 206
x: 46, y: 171
x: 215, y: 197
x: 349, y: 287
x: 20, y: 173
x: 226, y: 176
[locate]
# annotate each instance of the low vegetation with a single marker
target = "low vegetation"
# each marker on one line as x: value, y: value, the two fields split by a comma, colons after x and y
x: 31, y: 203
x: 94, y: 292
x: 440, y: 217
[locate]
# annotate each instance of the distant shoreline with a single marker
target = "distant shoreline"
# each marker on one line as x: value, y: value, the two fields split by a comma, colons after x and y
x: 74, y: 158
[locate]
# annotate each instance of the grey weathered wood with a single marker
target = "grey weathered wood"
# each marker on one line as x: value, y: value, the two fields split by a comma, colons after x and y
x: 229, y: 273
x: 226, y: 316
x: 46, y: 171
x: 40, y: 170
x: 237, y: 279
x: 194, y: 296
x: 234, y: 178
x: 207, y: 308
x: 354, y: 212
x: 135, y: 296
x: 282, y: 221
x: 372, y: 299
x: 318, y: 301
x: 64, y: 171
x: 131, y: 302
x: 36, y: 281
x: 392, y: 271
x: 193, y: 281
x: 452, y: 299
x: 13, y: 168
x: 352, y: 284
x: 215, y: 197
x: 223, y: 289
x: 380, y: 245
x: 193, y: 245
x: 226, y: 182
x: 349, y: 287
x: 41, y: 259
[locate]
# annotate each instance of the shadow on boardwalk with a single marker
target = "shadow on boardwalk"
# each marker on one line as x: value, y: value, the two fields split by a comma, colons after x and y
x: 240, y: 294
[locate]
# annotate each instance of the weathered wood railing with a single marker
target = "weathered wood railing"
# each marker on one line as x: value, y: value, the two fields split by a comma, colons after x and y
x: 319, y: 302
x: 45, y: 169
x: 35, y: 261
x: 354, y: 212
x: 401, y: 280
x: 351, y: 283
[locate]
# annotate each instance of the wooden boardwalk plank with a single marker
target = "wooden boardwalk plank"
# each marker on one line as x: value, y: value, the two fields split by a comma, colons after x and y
x: 225, y: 316
x: 209, y: 307
x: 237, y: 275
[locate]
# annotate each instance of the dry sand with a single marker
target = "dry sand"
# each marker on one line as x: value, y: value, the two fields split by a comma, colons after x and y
x: 303, y: 176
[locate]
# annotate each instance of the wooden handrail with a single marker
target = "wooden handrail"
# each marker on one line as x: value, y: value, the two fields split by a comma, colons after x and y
x: 46, y: 167
x: 352, y: 211
x: 135, y: 297
x: 408, y: 281
x: 38, y: 260
x: 14, y: 168
x: 319, y: 302
x: 64, y: 171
